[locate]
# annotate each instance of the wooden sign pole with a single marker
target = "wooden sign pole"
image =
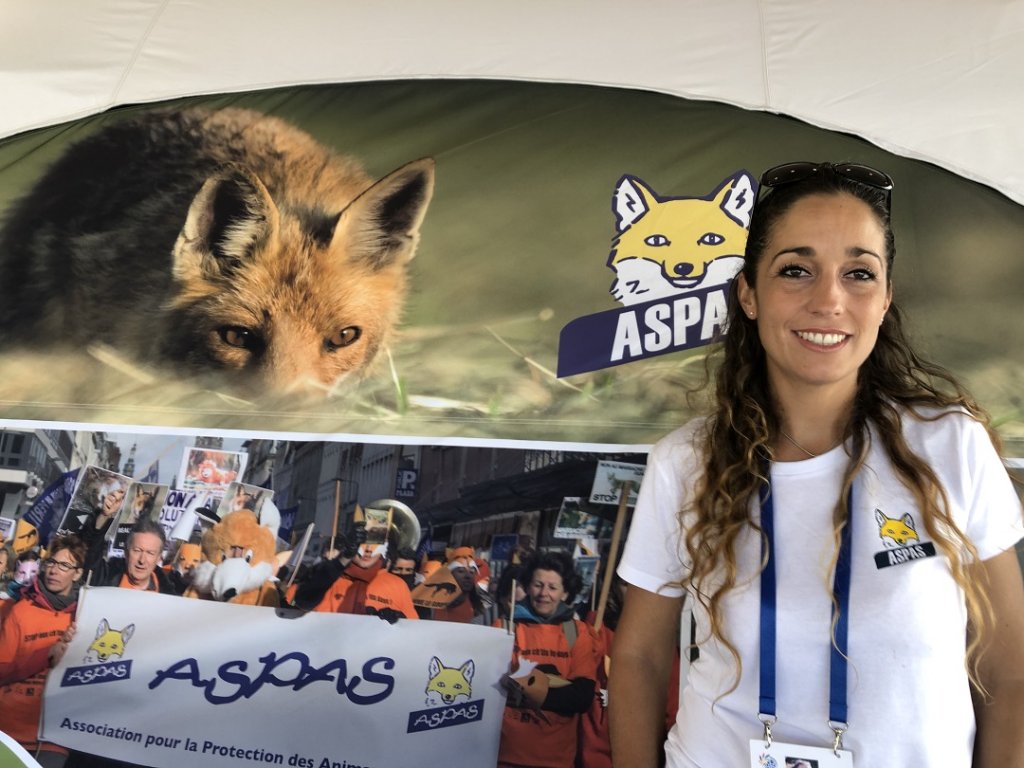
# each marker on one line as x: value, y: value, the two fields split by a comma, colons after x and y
x: 337, y: 511
x: 609, y: 573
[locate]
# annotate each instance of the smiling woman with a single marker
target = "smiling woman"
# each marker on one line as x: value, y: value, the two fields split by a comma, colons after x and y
x: 557, y: 657
x: 841, y: 474
x: 33, y: 637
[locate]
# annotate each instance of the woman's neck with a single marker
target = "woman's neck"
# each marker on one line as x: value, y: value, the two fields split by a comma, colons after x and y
x: 810, y: 424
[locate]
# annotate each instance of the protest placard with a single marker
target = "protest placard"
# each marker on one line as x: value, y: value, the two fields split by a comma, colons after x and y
x: 99, y: 493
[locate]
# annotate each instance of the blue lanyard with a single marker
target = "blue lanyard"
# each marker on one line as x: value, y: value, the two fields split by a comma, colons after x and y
x: 837, y: 705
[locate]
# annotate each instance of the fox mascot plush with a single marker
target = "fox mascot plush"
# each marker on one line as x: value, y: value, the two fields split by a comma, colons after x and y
x: 226, y: 241
x: 239, y: 562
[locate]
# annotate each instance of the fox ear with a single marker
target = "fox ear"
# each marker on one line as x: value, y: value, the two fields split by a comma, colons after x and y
x: 736, y: 198
x: 468, y: 670
x: 127, y: 632
x: 101, y: 630
x: 632, y: 199
x: 879, y: 518
x: 435, y: 666
x: 383, y: 223
x: 229, y: 217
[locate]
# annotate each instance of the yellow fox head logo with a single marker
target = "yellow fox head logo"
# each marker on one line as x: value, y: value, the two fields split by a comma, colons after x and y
x: 109, y: 642
x: 895, y: 532
x: 448, y: 685
x: 669, y: 245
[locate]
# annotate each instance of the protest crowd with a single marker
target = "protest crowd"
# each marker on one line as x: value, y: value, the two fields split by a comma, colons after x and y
x: 555, y: 688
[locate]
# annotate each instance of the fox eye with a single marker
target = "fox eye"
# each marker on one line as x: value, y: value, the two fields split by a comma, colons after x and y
x: 237, y: 336
x: 657, y: 240
x: 711, y: 238
x: 343, y: 338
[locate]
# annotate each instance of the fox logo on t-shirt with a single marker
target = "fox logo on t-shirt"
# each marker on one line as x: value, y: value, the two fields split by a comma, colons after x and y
x: 895, y: 532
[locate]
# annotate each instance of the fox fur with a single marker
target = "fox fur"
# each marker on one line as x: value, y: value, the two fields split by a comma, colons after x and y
x: 213, y: 241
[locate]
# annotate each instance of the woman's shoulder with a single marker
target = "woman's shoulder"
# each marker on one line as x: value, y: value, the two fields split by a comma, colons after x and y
x: 686, y: 441
x: 931, y: 424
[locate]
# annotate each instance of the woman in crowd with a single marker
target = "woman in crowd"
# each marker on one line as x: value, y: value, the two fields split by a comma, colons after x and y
x: 33, y: 638
x: 553, y: 684
x: 842, y: 522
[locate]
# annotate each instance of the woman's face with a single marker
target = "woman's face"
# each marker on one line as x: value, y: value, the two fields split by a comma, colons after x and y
x: 821, y: 293
x: 546, y: 592
x: 61, y: 571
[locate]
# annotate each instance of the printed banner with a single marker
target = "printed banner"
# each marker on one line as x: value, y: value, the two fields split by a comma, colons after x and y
x: 142, y: 500
x: 50, y: 507
x: 175, y: 504
x: 609, y: 479
x: 573, y: 522
x: 98, y: 493
x: 339, y: 690
x: 208, y: 469
x: 618, y: 336
x: 239, y: 496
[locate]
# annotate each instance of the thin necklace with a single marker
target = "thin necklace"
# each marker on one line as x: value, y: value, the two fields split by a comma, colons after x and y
x: 794, y: 442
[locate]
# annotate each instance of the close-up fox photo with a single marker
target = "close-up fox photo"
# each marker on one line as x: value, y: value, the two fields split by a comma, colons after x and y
x: 402, y: 258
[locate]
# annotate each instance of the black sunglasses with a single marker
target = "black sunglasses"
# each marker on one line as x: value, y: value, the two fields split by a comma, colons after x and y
x: 789, y: 173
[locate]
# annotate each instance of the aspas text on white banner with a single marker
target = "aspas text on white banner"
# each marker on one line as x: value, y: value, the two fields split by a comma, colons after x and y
x: 166, y: 681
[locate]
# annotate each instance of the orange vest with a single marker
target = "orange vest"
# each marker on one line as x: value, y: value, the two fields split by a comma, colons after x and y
x: 28, y: 627
x: 385, y: 590
x: 525, y: 739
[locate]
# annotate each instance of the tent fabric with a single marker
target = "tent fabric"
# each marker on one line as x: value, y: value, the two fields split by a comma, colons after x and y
x: 936, y: 81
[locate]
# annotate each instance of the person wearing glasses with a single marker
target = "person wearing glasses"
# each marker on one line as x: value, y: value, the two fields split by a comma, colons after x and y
x: 842, y: 523
x: 33, y: 639
x: 138, y: 568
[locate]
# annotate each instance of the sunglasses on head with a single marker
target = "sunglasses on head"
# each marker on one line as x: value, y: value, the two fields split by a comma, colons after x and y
x: 790, y: 173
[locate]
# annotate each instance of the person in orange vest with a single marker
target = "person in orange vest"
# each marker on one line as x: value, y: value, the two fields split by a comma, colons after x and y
x: 33, y: 638
x: 595, y: 750
x: 553, y: 664
x: 354, y: 579
x: 470, y: 607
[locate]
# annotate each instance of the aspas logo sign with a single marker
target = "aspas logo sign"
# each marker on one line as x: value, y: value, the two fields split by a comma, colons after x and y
x: 673, y: 259
x: 104, y: 662
x: 449, y: 693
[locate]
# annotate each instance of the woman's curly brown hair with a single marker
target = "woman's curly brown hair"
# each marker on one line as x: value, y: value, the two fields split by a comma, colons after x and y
x: 737, y: 443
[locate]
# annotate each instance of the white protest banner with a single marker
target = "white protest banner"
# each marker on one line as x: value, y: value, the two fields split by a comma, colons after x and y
x: 175, y: 504
x: 609, y: 478
x: 167, y: 681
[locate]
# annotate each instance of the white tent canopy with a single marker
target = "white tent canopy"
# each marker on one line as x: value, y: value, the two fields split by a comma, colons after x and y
x: 941, y: 81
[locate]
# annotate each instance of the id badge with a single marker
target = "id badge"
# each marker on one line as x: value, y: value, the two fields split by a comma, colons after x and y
x: 783, y: 755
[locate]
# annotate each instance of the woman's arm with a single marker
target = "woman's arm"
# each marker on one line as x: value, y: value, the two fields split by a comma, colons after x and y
x: 642, y: 656
x: 1000, y: 739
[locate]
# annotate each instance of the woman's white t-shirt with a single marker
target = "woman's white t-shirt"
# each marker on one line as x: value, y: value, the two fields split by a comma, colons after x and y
x: 909, y: 700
